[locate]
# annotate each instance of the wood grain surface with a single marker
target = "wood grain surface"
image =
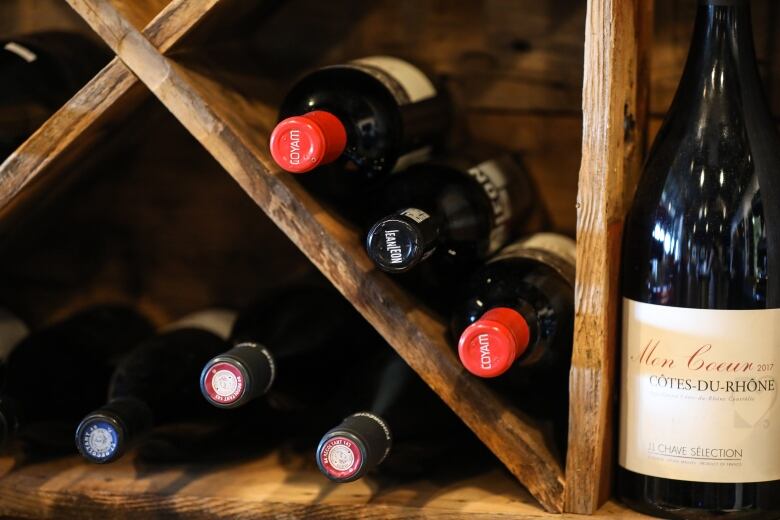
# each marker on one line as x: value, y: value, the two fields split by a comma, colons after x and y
x: 235, y: 132
x: 613, y: 128
x: 280, y: 485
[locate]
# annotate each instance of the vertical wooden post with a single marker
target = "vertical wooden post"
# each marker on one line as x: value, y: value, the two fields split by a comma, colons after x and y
x: 614, y: 104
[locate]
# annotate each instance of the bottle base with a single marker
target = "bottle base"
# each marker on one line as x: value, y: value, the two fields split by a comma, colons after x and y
x: 683, y: 500
x: 670, y: 512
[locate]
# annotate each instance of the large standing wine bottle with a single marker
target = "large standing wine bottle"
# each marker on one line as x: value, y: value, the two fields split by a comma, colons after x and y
x: 154, y: 384
x: 402, y: 421
x: 41, y: 72
x: 367, y: 117
x: 699, y: 423
x: 280, y: 345
x: 57, y: 374
x: 454, y: 213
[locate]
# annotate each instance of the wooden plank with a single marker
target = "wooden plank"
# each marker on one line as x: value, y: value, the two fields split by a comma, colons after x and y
x: 76, y: 127
x: 235, y: 132
x: 281, y: 484
x: 612, y: 146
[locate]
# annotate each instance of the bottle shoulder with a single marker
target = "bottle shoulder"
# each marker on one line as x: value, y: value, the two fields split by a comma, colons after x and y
x: 697, y: 231
x: 346, y: 91
x: 514, y: 283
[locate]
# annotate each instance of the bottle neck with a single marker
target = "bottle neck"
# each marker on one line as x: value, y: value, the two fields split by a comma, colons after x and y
x: 722, y: 58
x: 359, y: 444
x: 398, y: 242
x: 491, y: 345
x: 301, y: 143
x: 105, y: 435
x: 243, y: 373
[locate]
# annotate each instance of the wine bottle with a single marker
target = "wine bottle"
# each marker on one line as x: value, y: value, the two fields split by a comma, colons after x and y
x: 458, y: 212
x: 154, y: 384
x: 518, y: 309
x: 279, y: 346
x: 367, y: 117
x: 55, y: 375
x: 403, y: 421
x: 515, y: 323
x: 46, y: 68
x: 701, y: 290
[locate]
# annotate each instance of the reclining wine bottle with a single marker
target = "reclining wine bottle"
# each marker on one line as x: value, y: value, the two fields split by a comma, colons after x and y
x: 515, y: 323
x: 518, y: 309
x: 280, y: 346
x: 457, y: 212
x: 43, y: 70
x: 154, y: 384
x: 57, y: 374
x: 366, y: 117
x: 404, y: 427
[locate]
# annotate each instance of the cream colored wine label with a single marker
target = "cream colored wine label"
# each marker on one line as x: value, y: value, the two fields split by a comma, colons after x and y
x: 217, y: 321
x: 493, y: 180
x: 699, y: 393
x: 557, y: 251
x: 407, y: 83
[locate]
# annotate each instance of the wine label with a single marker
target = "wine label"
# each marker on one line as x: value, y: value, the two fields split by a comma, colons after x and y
x: 557, y: 251
x: 21, y: 51
x: 406, y: 83
x: 413, y: 157
x: 415, y: 214
x: 263, y: 351
x: 217, y: 321
x: 492, y: 179
x: 12, y: 332
x: 699, y: 392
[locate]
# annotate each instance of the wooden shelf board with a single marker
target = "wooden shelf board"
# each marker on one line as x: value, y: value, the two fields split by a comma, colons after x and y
x: 614, y: 123
x: 234, y: 129
x: 280, y: 484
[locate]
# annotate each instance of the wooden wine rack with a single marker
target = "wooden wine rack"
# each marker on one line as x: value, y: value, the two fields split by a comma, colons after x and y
x: 233, y: 127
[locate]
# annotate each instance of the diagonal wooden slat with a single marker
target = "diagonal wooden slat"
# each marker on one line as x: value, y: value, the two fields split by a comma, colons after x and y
x: 78, y: 125
x: 217, y: 117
